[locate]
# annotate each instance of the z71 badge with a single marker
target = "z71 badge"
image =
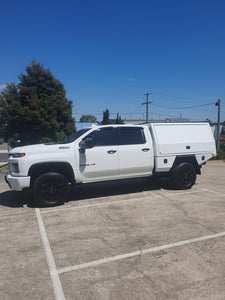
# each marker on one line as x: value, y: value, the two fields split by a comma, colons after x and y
x: 64, y: 147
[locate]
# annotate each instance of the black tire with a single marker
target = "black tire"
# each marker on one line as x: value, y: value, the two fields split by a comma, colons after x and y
x: 50, y: 189
x: 183, y: 176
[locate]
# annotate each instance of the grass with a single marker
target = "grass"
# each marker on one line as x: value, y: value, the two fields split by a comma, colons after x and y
x: 4, y: 168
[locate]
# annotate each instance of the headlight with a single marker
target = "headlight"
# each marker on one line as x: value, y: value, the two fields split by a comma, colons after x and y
x: 16, y: 155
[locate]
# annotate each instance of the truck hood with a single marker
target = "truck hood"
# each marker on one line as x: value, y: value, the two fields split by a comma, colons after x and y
x: 40, y: 148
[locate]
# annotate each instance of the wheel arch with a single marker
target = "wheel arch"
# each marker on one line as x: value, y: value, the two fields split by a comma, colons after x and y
x: 63, y: 168
x: 188, y: 159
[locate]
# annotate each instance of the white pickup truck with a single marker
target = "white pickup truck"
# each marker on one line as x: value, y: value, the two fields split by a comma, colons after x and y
x: 100, y: 153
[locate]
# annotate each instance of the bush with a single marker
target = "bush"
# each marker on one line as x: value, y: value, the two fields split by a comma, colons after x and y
x: 220, y: 152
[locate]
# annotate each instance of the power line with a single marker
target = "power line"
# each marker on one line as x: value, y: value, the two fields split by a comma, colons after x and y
x: 111, y: 113
x: 187, y: 107
x: 128, y: 113
x: 177, y: 97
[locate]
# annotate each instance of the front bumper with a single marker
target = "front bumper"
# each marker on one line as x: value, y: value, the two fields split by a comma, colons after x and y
x: 17, y: 183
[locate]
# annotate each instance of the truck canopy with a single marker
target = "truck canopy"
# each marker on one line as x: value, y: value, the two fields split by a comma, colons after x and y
x: 182, y: 138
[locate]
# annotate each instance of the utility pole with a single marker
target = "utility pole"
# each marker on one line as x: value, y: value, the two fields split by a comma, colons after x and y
x: 147, y: 103
x: 218, y: 125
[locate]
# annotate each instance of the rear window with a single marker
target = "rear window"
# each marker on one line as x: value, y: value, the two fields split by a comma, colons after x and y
x: 130, y: 136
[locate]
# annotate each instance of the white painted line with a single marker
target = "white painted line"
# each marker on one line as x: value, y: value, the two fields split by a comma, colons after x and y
x: 215, y: 164
x: 97, y: 204
x: 119, y: 201
x: 211, y: 191
x: 57, y: 287
x: 139, y: 252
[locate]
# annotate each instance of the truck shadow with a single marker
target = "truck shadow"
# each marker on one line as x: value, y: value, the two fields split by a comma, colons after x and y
x: 86, y: 191
x: 14, y: 198
x: 113, y: 188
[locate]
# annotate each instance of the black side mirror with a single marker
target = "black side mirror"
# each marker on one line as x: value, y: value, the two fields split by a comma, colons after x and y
x: 86, y: 143
x: 82, y: 146
x: 89, y: 142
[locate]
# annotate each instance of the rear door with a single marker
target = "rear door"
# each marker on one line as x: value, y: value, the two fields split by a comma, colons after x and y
x: 135, y: 151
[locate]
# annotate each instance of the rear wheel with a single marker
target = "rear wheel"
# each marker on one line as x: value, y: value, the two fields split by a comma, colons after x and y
x: 184, y: 176
x: 50, y: 189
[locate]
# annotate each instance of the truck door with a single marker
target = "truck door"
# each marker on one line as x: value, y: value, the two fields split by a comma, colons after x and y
x: 100, y: 161
x: 135, y: 151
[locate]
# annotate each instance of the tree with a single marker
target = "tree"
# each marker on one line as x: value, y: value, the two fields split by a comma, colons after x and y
x: 105, y: 117
x: 2, y: 120
x: 118, y: 119
x: 36, y: 108
x: 88, y: 119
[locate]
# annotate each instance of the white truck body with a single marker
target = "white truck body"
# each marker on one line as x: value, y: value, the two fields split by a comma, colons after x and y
x: 173, y: 139
x: 113, y: 152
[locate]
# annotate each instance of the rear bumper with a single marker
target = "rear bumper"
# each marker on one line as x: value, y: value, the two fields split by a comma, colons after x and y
x: 17, y: 183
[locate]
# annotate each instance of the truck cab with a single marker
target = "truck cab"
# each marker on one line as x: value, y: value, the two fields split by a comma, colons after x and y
x: 114, y: 152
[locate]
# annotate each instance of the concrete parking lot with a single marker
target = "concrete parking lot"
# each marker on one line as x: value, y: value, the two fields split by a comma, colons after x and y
x: 120, y: 240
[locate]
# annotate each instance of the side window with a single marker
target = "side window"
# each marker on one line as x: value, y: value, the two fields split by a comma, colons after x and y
x: 102, y: 137
x: 130, y: 136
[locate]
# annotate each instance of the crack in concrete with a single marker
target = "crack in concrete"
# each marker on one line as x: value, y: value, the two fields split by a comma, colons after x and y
x: 191, y: 219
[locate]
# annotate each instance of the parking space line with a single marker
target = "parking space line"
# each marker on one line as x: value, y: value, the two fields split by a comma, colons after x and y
x: 139, y: 252
x: 211, y: 191
x: 56, y: 283
x: 119, y: 201
x: 215, y: 164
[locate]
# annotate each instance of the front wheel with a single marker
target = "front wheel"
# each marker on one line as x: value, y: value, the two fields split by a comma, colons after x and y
x: 50, y: 189
x: 183, y: 176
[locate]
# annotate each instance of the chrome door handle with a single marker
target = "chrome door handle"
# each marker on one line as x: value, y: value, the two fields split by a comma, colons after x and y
x: 111, y: 151
x: 145, y: 149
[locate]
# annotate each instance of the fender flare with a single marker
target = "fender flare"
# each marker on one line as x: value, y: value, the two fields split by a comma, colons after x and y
x: 187, y: 158
x: 63, y: 168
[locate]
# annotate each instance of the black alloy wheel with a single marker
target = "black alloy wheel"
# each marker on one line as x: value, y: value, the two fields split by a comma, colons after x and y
x: 184, y: 176
x: 50, y: 189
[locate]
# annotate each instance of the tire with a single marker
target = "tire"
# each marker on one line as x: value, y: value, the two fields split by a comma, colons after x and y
x: 184, y: 176
x: 50, y: 189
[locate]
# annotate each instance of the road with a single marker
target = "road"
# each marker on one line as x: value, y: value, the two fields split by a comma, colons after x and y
x: 3, y: 156
x: 116, y: 240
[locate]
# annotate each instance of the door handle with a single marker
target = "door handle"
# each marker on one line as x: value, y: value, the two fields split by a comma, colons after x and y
x: 111, y: 151
x: 145, y: 149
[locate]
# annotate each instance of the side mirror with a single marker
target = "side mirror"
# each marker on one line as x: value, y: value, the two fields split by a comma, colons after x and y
x: 89, y: 142
x: 86, y: 143
x: 82, y: 146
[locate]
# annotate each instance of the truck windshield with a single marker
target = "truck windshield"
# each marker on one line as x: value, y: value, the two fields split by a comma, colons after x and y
x: 76, y: 136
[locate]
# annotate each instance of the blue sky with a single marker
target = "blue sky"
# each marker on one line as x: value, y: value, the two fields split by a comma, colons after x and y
x: 108, y: 54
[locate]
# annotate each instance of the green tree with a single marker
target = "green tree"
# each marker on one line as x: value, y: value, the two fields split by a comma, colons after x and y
x: 36, y: 107
x: 105, y: 117
x: 88, y: 119
x: 118, y: 119
x: 2, y: 120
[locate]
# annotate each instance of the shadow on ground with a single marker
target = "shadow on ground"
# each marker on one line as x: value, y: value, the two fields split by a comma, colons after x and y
x: 86, y: 191
x: 112, y: 188
x: 14, y: 198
